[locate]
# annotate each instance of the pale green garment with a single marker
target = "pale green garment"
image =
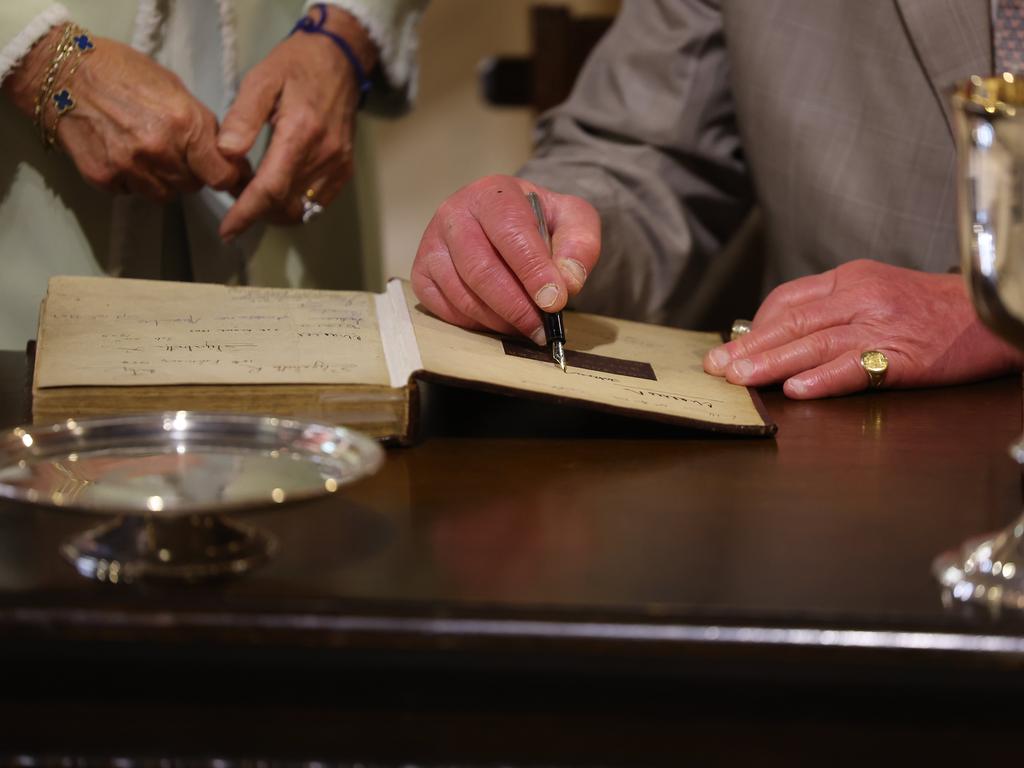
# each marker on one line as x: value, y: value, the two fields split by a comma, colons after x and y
x: 52, y: 222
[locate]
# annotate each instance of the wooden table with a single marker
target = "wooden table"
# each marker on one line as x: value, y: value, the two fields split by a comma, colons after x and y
x: 530, y: 585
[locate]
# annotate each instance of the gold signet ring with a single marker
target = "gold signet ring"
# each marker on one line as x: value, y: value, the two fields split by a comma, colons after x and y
x: 739, y: 327
x: 875, y: 365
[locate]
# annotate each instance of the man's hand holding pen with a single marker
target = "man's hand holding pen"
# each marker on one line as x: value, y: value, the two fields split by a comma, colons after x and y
x: 482, y: 262
x: 554, y: 328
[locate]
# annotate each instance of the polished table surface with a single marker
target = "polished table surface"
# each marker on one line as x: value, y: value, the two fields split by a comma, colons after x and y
x: 520, y: 547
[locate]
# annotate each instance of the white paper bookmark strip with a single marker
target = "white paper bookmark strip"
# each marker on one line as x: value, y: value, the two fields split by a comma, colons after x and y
x: 398, y: 338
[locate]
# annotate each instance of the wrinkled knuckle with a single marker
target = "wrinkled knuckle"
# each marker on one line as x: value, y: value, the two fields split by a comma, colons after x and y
x: 517, y: 244
x: 464, y: 303
x: 478, y: 272
x: 425, y: 289
x: 797, y: 323
x: 224, y: 179
x: 318, y: 134
x: 418, y: 273
x: 823, y: 346
x: 858, y: 268
x: 334, y: 149
x: 276, y: 190
x: 306, y: 123
x: 151, y: 144
x: 535, y: 274
x: 589, y: 243
x: 448, y: 215
x: 179, y: 119
x: 437, y: 263
x: 330, y: 145
x: 583, y: 247
x: 104, y: 177
x: 428, y: 242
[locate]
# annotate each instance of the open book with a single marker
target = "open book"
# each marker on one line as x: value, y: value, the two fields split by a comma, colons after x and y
x: 114, y: 345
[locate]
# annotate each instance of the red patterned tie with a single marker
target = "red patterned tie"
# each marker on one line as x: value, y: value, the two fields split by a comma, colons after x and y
x: 1008, y: 36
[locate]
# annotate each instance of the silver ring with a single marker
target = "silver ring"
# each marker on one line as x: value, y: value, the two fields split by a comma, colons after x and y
x: 310, y: 207
x: 739, y: 328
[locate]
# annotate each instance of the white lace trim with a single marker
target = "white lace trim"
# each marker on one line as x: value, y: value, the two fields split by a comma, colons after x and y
x: 148, y: 35
x: 12, y: 53
x: 229, y: 49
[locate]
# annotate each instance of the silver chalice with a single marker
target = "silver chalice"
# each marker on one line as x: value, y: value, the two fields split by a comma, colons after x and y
x: 988, y: 114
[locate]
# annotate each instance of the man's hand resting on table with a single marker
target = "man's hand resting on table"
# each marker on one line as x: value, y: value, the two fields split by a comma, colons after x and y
x: 809, y: 333
x: 483, y: 264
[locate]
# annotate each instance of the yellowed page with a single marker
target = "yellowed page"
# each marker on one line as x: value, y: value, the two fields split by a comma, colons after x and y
x: 682, y: 389
x: 109, y: 331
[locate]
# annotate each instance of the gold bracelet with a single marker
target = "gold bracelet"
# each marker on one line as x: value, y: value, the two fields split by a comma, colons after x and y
x: 61, y: 52
x: 80, y: 44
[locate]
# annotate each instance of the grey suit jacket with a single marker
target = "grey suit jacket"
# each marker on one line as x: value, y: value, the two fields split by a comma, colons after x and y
x: 830, y: 115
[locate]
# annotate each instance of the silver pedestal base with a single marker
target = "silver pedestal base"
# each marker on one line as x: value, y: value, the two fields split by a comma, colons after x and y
x: 987, y: 569
x: 191, y: 548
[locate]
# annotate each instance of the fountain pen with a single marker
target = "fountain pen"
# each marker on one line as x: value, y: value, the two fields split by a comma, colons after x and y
x: 554, y: 329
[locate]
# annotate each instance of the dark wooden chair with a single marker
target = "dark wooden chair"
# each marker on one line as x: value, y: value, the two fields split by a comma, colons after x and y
x: 559, y: 42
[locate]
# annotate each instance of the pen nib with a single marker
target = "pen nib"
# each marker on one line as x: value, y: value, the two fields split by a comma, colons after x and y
x: 558, y: 353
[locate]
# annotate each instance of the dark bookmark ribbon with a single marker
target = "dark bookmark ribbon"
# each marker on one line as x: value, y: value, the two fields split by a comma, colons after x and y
x: 582, y: 360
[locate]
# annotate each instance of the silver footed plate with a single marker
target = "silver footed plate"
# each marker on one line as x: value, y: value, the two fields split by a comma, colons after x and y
x: 180, y: 463
x: 165, y: 480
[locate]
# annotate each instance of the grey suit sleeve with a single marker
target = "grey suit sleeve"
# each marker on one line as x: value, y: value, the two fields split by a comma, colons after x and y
x: 649, y: 137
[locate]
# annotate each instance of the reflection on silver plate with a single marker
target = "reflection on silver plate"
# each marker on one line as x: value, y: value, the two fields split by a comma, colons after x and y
x: 180, y: 463
x: 166, y: 477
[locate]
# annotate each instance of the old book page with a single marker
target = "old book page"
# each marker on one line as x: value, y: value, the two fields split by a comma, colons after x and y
x: 105, y: 332
x: 617, y: 363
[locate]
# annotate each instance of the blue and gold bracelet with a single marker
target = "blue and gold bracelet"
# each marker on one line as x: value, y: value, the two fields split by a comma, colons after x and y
x: 74, y: 42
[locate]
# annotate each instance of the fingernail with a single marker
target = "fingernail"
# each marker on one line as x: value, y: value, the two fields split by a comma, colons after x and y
x: 230, y: 141
x: 796, y: 386
x: 719, y: 358
x: 546, y: 296
x: 539, y: 338
x: 743, y: 368
x: 574, y: 272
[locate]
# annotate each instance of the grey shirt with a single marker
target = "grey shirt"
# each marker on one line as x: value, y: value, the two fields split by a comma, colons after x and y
x: 830, y: 116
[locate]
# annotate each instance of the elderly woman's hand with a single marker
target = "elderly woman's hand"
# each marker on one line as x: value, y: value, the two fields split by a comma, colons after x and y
x: 307, y: 90
x: 483, y: 264
x: 810, y: 333
x: 135, y: 127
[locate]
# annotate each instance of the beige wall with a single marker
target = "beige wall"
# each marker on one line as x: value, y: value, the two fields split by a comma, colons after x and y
x: 451, y: 137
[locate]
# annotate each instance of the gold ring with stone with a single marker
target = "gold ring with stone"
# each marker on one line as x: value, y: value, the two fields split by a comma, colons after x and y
x: 875, y: 365
x: 740, y: 327
x: 310, y: 207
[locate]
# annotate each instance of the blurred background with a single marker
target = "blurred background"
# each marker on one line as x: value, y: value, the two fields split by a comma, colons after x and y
x: 451, y: 136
